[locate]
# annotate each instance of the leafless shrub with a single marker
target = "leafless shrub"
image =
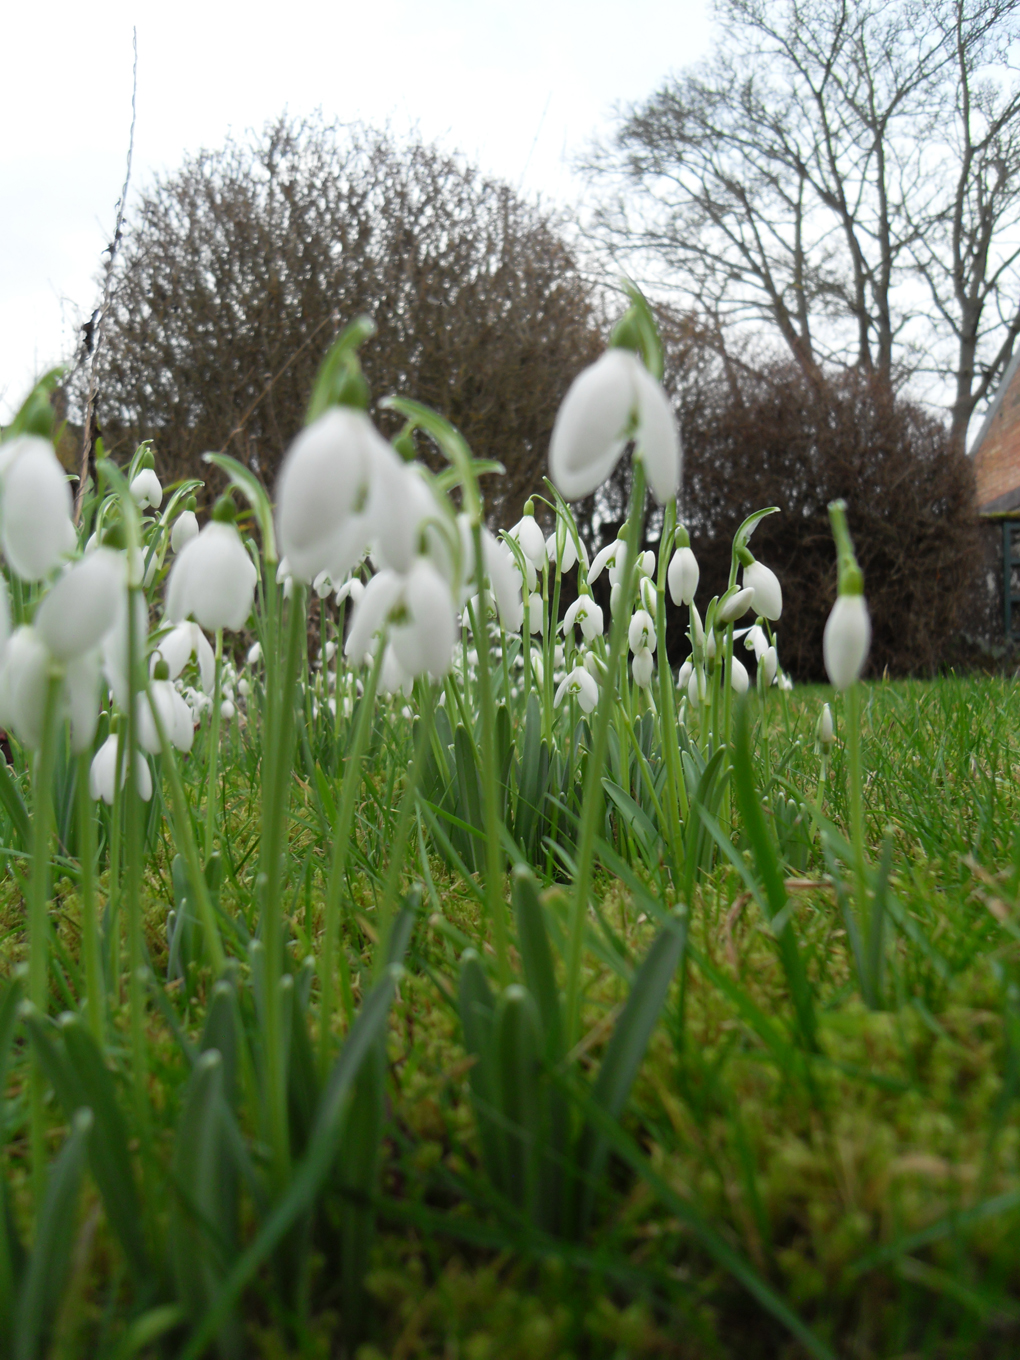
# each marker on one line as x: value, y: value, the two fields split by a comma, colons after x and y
x: 238, y: 270
x: 779, y: 438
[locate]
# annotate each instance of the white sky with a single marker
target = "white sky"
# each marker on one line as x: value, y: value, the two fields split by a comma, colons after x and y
x: 517, y: 87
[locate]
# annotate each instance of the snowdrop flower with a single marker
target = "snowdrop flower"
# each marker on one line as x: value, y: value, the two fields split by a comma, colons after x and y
x: 846, y: 640
x: 612, y: 402
x: 785, y: 681
x: 641, y: 633
x: 324, y: 489
x: 530, y: 537
x: 739, y: 678
x: 642, y: 667
x: 183, y: 642
x: 401, y: 504
x: 711, y: 646
x: 561, y: 549
x: 115, y: 643
x: 352, y: 590
x: 146, y: 490
x: 254, y: 654
x: 607, y: 557
x: 769, y: 662
x: 103, y: 773
x: 594, y: 666
x: 767, y: 593
x: 500, y: 566
x: 580, y: 686
x: 213, y: 578
x: 825, y: 731
x: 419, y: 612
x: 684, y: 674
x: 587, y: 615
x: 755, y: 640
x: 682, y: 576
x: 648, y: 594
x: 82, y: 607
x: 535, y: 612
x: 24, y: 677
x: 35, y: 511
x: 847, y: 635
x: 174, y: 713
x: 732, y: 606
x: 184, y: 530
x: 537, y: 666
x: 322, y: 585
x: 227, y: 710
x: 696, y: 687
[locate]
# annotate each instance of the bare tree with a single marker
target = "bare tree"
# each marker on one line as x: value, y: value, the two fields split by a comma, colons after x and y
x: 237, y: 271
x: 847, y: 173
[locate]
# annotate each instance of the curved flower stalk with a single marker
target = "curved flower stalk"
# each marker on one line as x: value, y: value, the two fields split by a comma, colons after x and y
x: 845, y: 644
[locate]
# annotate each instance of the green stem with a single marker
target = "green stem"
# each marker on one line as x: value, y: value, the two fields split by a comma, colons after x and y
x: 592, y: 806
x: 38, y: 913
x: 853, y: 742
x: 351, y: 786
x: 214, y: 749
x: 133, y: 873
x: 495, y: 904
x: 184, y: 838
x: 274, y: 817
x: 95, y: 999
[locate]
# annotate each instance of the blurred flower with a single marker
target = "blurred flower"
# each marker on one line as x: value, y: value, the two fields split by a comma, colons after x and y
x: 184, y: 530
x: 103, y: 773
x: 610, y: 403
x: 35, y: 510
x: 642, y: 666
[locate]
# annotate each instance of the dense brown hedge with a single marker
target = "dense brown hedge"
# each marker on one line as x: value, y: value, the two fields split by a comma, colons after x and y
x: 777, y: 439
x: 238, y: 269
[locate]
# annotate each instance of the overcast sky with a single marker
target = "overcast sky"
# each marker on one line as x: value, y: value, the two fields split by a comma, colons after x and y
x: 517, y: 87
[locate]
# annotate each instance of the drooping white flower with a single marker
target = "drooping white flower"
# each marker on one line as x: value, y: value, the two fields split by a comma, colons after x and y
x: 146, y: 490
x: 684, y: 674
x: 587, y: 615
x: 610, y: 403
x: 568, y: 557
x: 739, y: 677
x: 738, y: 603
x: 212, y: 579
x: 501, y: 568
x: 642, y: 666
x: 769, y: 662
x: 528, y: 534
x: 641, y: 633
x: 352, y: 590
x: 825, y: 730
x: 682, y: 576
x: 184, y: 641
x: 846, y: 640
x: 81, y: 608
x: 24, y: 676
x: 116, y: 642
x: 323, y: 492
x: 767, y: 599
x: 579, y: 685
x: 755, y: 640
x: 400, y: 505
x: 184, y: 530
x: 419, y: 613
x: 103, y: 772
x: 535, y: 612
x: 174, y: 714
x: 696, y: 687
x: 35, y: 509
x: 607, y: 557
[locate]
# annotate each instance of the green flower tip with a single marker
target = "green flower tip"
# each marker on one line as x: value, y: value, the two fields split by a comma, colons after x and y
x: 225, y: 511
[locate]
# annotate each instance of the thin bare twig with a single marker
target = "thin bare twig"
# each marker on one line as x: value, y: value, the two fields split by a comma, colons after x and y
x: 94, y: 332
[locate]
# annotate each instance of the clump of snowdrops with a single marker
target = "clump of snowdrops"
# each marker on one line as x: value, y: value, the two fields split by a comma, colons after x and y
x: 548, y: 746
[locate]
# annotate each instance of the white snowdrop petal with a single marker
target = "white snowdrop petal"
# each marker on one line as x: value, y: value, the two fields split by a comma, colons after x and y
x: 591, y: 426
x: 768, y: 593
x: 184, y: 530
x: 846, y: 640
x: 36, y: 513
x: 657, y: 439
x: 82, y: 606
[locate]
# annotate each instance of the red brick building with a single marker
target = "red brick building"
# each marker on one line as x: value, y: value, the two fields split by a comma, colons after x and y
x: 997, y: 448
x: 996, y: 454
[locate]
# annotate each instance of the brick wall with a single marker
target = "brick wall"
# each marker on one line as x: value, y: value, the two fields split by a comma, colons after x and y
x: 997, y: 459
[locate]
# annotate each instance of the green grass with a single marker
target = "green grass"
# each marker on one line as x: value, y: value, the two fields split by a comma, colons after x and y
x: 873, y: 1184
